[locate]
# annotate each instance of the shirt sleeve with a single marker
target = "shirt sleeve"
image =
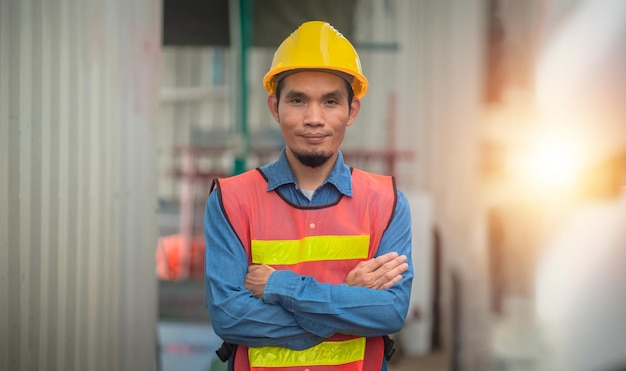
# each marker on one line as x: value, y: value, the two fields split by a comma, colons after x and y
x: 236, y: 315
x: 325, y: 309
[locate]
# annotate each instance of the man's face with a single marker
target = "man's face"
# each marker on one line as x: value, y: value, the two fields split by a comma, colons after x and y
x: 313, y: 114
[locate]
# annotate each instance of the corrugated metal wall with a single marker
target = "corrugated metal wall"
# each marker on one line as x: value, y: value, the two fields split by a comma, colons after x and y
x: 77, y: 191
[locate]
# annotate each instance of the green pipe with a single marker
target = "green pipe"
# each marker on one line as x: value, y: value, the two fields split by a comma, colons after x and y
x: 241, y: 37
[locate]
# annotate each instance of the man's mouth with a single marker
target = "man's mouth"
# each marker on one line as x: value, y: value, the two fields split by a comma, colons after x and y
x: 314, y: 138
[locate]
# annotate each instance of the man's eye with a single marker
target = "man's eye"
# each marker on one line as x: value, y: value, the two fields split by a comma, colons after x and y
x: 296, y: 100
x: 332, y: 101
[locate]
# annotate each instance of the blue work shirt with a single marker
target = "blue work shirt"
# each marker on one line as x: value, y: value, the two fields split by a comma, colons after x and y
x: 299, y: 312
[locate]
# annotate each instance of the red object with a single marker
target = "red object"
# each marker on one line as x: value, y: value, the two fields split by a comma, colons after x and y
x: 169, y: 258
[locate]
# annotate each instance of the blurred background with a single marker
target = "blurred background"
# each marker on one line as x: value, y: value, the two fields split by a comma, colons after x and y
x: 116, y: 114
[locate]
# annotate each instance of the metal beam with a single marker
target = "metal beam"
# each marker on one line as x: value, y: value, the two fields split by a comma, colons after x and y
x: 241, y: 40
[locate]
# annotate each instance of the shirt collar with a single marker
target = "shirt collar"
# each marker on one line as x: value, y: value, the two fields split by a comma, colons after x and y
x: 279, y: 173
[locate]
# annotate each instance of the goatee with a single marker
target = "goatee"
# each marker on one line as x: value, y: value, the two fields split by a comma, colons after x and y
x: 312, y: 160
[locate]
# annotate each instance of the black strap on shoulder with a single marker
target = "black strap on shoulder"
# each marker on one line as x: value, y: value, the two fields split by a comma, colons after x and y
x: 226, y: 351
x: 390, y: 347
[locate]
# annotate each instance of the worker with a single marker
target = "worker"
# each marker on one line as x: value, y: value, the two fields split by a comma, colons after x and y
x: 308, y: 261
x: 581, y: 278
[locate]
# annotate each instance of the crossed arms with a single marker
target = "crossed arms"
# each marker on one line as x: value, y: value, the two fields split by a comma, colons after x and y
x: 259, y: 306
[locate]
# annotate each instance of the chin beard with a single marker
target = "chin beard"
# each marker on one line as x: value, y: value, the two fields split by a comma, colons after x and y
x: 312, y: 160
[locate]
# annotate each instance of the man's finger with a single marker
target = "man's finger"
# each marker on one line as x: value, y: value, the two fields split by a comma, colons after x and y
x: 379, y: 261
x: 392, y: 282
x: 389, y: 266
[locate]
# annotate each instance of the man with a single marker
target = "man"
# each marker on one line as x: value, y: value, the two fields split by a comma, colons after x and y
x: 308, y: 261
x: 581, y: 281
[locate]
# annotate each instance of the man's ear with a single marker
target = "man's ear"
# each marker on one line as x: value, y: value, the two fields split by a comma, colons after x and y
x: 355, y: 108
x: 272, y: 104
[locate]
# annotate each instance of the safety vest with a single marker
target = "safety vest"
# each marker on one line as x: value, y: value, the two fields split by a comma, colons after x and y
x: 325, y: 242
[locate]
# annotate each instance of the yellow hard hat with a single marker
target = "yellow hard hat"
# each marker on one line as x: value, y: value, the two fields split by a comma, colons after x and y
x: 317, y: 45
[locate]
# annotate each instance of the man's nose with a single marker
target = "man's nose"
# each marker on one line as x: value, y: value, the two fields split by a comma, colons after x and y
x: 314, y: 115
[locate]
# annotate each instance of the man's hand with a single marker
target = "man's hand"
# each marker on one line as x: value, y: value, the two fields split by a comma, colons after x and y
x: 257, y: 278
x: 379, y: 273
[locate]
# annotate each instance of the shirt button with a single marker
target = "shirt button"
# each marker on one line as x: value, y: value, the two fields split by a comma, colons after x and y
x: 312, y: 225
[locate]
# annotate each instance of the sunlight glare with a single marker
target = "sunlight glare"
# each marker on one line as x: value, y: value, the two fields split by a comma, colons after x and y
x: 547, y: 166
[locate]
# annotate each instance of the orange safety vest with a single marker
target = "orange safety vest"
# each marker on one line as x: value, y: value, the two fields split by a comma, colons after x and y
x: 325, y: 242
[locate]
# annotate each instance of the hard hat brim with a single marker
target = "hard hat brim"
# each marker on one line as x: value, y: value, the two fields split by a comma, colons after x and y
x: 359, y: 82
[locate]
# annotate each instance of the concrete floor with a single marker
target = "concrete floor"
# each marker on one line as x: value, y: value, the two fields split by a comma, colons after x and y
x: 437, y: 361
x: 187, y: 346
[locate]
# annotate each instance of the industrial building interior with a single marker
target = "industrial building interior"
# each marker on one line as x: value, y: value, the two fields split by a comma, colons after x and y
x: 196, y: 141
x: 116, y: 115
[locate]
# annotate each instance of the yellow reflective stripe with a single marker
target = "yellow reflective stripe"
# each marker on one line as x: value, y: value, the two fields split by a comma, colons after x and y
x: 313, y: 248
x: 326, y: 353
